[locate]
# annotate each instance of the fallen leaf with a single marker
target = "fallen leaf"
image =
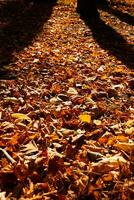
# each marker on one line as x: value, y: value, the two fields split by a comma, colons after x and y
x: 86, y: 118
x: 21, y: 116
x: 127, y: 147
x: 72, y: 91
x: 97, y: 122
x: 107, y: 164
x: 30, y: 148
x: 7, y: 125
x: 107, y: 177
x: 94, y: 156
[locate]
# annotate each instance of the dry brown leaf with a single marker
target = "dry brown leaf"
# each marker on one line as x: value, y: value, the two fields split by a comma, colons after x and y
x: 107, y: 164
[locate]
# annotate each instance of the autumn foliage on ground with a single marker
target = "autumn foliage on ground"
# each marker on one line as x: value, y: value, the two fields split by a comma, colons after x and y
x: 66, y: 103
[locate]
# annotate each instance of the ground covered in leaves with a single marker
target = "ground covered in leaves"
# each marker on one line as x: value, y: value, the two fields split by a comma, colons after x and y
x: 67, y: 108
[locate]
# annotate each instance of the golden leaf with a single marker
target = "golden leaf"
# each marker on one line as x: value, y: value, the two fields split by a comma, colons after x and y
x: 118, y: 138
x: 21, y: 116
x: 127, y: 147
x: 105, y: 77
x: 71, y: 80
x: 85, y: 118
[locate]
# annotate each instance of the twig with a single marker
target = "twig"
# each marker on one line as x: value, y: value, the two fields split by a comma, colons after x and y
x: 7, y: 155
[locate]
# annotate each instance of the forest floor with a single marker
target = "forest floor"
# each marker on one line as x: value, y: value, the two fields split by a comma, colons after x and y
x: 66, y: 102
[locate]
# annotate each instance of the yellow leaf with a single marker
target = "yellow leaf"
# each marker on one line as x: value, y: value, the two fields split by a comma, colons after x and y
x: 89, y: 96
x: 85, y: 118
x: 105, y: 77
x: 71, y: 80
x: 129, y: 123
x: 97, y: 122
x: 71, y: 58
x: 85, y: 87
x: 21, y: 116
x: 120, y: 69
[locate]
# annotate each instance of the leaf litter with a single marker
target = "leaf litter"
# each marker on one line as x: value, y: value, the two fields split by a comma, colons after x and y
x: 66, y: 122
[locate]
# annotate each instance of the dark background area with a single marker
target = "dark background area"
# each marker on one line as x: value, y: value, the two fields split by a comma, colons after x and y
x: 20, y: 22
x: 107, y: 37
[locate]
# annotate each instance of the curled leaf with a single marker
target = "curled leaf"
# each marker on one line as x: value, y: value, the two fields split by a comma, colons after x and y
x: 94, y: 156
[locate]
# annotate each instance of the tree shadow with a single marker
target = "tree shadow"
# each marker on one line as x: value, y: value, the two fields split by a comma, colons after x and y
x: 111, y: 41
x: 20, y: 23
x: 125, y: 17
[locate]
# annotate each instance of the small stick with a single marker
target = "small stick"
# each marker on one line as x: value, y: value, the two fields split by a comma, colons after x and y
x: 7, y: 155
